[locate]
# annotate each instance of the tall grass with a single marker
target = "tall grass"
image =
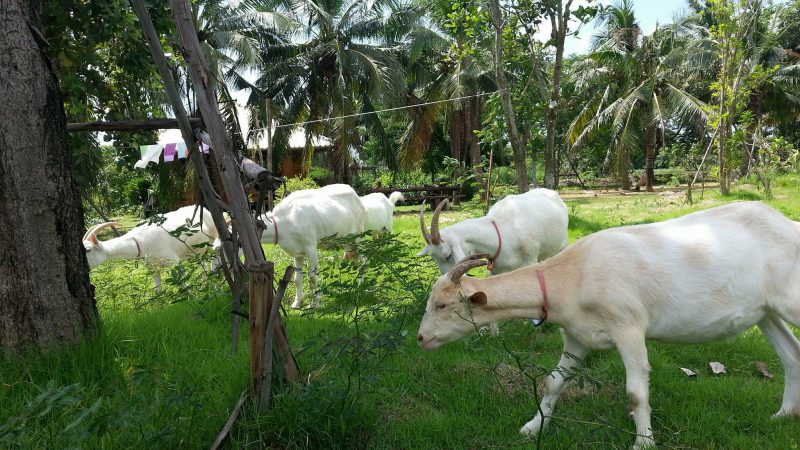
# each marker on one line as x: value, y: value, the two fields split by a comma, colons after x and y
x: 160, y: 374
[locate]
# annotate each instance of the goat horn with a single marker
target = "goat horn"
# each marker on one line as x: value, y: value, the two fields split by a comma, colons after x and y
x: 436, y: 238
x: 423, y: 227
x: 458, y: 271
x: 474, y: 257
x: 93, y: 231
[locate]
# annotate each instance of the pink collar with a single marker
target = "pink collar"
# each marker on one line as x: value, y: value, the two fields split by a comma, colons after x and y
x: 490, y: 266
x: 543, y: 287
x: 138, y: 247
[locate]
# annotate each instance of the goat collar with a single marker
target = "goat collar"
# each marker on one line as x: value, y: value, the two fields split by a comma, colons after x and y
x: 275, y: 225
x: 543, y: 287
x: 138, y: 247
x: 490, y: 266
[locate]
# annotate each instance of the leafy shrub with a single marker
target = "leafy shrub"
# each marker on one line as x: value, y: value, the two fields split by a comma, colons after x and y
x: 363, y: 329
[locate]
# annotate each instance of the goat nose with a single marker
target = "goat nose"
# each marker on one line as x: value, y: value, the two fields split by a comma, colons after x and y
x: 420, y: 338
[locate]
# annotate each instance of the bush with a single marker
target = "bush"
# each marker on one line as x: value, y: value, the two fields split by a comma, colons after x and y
x: 295, y: 184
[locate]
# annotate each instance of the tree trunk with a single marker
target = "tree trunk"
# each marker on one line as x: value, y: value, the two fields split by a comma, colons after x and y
x: 456, y: 132
x: 559, y: 20
x: 650, y: 158
x: 756, y: 106
x: 622, y: 170
x: 472, y: 123
x: 517, y: 145
x: 45, y: 294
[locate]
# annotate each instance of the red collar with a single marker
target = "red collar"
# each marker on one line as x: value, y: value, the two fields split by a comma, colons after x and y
x: 490, y: 266
x: 543, y: 287
x: 138, y: 248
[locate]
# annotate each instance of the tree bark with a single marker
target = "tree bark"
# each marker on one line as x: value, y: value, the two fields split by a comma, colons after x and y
x: 559, y: 19
x: 45, y: 294
x: 517, y: 145
x: 471, y: 123
x: 650, y: 158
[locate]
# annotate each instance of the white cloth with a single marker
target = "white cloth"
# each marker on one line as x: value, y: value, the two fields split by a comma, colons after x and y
x: 150, y: 153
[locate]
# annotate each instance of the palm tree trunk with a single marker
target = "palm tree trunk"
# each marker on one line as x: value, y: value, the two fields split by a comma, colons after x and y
x: 456, y: 132
x: 650, y: 157
x: 622, y: 169
x: 471, y: 121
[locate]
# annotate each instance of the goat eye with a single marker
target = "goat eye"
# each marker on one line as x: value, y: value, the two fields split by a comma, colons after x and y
x: 441, y: 306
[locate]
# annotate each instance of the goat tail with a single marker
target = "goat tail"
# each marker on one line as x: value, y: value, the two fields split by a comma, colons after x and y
x: 396, y: 197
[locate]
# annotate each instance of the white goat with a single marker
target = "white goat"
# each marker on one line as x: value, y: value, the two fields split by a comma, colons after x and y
x: 154, y: 242
x: 303, y: 218
x: 704, y: 276
x: 518, y: 230
x: 379, y: 211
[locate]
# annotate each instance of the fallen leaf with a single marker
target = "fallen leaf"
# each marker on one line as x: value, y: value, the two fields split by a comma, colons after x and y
x: 688, y: 372
x: 762, y: 369
x: 716, y: 367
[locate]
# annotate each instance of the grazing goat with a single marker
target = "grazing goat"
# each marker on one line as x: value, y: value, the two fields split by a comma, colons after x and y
x: 704, y: 276
x: 302, y: 219
x: 156, y: 243
x: 379, y: 211
x: 518, y: 230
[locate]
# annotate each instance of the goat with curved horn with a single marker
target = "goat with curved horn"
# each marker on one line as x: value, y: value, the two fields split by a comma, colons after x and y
x: 154, y: 242
x: 91, y: 234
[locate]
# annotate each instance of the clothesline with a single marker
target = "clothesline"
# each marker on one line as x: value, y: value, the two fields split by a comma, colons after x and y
x: 398, y: 108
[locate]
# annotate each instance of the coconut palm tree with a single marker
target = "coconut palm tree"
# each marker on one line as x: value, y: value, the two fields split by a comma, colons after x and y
x: 646, y: 94
x: 330, y: 63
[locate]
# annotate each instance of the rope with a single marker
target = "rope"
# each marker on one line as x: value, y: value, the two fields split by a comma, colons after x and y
x: 398, y: 108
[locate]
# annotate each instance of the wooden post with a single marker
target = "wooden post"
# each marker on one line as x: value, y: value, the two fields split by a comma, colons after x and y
x: 131, y: 125
x: 260, y: 290
x: 209, y: 195
x: 243, y: 223
x: 203, y: 83
x: 272, y: 321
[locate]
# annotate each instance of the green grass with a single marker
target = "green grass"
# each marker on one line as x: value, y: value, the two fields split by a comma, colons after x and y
x: 160, y: 374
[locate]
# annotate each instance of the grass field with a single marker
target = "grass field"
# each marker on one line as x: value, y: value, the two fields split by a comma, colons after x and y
x: 160, y: 374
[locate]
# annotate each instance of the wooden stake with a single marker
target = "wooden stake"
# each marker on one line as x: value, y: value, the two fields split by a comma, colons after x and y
x: 260, y: 290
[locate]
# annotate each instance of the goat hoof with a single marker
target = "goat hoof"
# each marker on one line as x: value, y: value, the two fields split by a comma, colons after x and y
x: 785, y: 413
x: 644, y: 442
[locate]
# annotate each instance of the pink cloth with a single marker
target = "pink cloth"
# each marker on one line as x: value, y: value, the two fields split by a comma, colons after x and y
x: 170, y: 152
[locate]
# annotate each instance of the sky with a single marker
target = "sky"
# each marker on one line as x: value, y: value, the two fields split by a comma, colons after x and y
x: 648, y: 13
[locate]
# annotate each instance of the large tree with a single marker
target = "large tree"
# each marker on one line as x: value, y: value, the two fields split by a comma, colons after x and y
x: 45, y: 295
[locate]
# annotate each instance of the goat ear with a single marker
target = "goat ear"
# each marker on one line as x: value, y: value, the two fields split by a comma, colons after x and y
x: 93, y: 240
x: 423, y: 252
x: 477, y: 298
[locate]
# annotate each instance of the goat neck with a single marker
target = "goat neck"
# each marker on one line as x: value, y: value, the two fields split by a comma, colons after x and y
x: 518, y: 294
x: 477, y: 236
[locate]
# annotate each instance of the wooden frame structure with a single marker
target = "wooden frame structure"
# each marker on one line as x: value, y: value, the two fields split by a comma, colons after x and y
x: 255, y: 277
